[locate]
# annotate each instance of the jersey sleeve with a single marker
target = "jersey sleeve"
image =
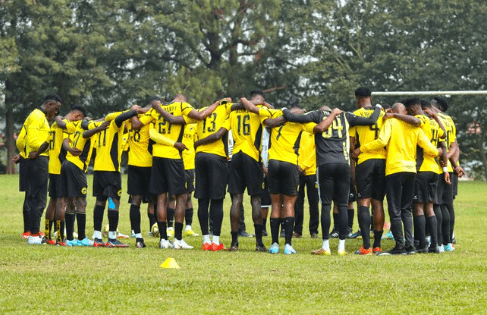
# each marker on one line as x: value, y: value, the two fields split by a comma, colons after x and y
x: 70, y: 126
x: 158, y: 138
x: 425, y: 143
x: 308, y: 127
x: 36, y: 138
x: 186, y: 108
x: 112, y: 116
x: 354, y: 120
x: 381, y: 141
x: 20, y: 143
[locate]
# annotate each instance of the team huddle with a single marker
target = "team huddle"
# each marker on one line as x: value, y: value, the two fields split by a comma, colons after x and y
x: 408, y: 153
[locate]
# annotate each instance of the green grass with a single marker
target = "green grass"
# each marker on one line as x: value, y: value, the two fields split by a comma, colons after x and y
x: 42, y: 279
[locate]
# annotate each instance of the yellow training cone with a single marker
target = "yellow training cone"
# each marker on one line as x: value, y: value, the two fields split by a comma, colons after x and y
x: 170, y: 263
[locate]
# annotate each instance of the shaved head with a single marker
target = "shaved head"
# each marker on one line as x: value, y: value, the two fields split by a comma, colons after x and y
x: 399, y: 108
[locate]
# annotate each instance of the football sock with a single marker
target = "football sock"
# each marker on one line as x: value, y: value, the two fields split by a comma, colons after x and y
x: 264, y: 224
x: 162, y: 229
x: 206, y: 239
x: 135, y: 218
x: 377, y: 238
x: 216, y: 239
x: 326, y: 245
x: 364, y: 224
x: 170, y: 217
x: 152, y: 220
x: 203, y: 215
x: 335, y: 221
x: 289, y: 224
x: 216, y: 213
x: 26, y: 215
x: 178, y: 231
x: 98, y: 217
x: 325, y: 221
x: 81, y: 220
x: 420, y: 230
x: 343, y: 222
x: 445, y: 224
x: 188, y: 227
x: 258, y: 234
x: 350, y: 218
x: 341, y: 245
x: 58, y: 230
x: 451, y: 212
x: 234, y: 238
x: 188, y: 217
x: 69, y: 218
x: 113, y: 216
x: 275, y: 224
x: 61, y: 229
x: 439, y: 221
x: 47, y: 228
x: 112, y: 235
x: 432, y: 228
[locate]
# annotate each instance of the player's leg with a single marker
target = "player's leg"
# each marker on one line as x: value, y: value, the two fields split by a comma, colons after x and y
x: 275, y: 221
x: 161, y: 217
x: 313, y: 202
x: 49, y: 221
x: 394, y: 195
x: 171, y: 207
x: 152, y: 217
x: 236, y: 188
x: 59, y: 218
x: 135, y: 219
x: 406, y: 213
x: 378, y: 193
x: 342, y: 177
x: 237, y: 200
x: 325, y: 186
x: 80, y: 203
x: 69, y: 218
x: 257, y: 218
x: 138, y: 180
x: 37, y: 195
x: 188, y: 214
x: 299, y: 207
x: 179, y: 212
x: 113, y: 190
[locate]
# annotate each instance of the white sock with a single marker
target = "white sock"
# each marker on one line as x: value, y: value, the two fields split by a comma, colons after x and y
x: 341, y: 245
x: 188, y: 227
x: 326, y: 245
x: 216, y: 239
x: 112, y: 234
x: 206, y: 239
x: 138, y: 235
x: 97, y: 234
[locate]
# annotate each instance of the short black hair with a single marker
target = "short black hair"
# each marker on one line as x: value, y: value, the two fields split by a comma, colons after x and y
x: 363, y: 92
x: 53, y: 97
x: 257, y: 92
x: 442, y: 102
x: 411, y: 102
x: 79, y: 108
x: 154, y: 98
x: 385, y: 106
x: 425, y: 103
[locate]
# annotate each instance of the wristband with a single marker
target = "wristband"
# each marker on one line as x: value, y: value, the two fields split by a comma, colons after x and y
x: 378, y: 105
x: 445, y: 169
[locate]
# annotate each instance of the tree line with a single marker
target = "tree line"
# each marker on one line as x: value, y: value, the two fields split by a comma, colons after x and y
x: 109, y: 54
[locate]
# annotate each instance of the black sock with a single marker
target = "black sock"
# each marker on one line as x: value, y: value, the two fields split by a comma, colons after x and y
x: 432, y: 228
x: 275, y: 224
x: 258, y: 234
x: 234, y: 238
x: 58, y: 230
x: 178, y: 231
x: 113, y: 216
x: 439, y: 221
x: 98, y: 217
x: 216, y: 214
x: 289, y: 224
x: 342, y: 222
x: 445, y: 224
x: 264, y: 224
x: 364, y: 224
x: 350, y: 218
x: 162, y: 229
x: 81, y: 220
x: 325, y: 221
x: 152, y: 220
x: 420, y: 230
x: 135, y: 218
x: 61, y: 229
x: 335, y: 221
x: 188, y: 216
x: 69, y: 218
x: 451, y: 212
x: 170, y: 217
x: 377, y: 238
x: 203, y: 205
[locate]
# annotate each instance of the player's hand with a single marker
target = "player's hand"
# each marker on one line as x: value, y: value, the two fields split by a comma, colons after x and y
x: 105, y: 125
x: 75, y: 152
x: 336, y: 111
x: 16, y: 158
x: 300, y: 170
x: 446, y: 176
x: 137, y: 108
x: 429, y: 112
x: 356, y: 153
x: 265, y: 171
x: 225, y: 100
x: 440, y: 151
x: 34, y: 155
x: 459, y: 170
x: 180, y: 146
x: 388, y: 115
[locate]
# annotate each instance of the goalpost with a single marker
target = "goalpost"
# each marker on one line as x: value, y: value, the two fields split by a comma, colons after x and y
x: 412, y: 93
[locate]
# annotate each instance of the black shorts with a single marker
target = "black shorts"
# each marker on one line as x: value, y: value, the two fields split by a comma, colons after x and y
x: 54, y: 186
x: 189, y: 178
x: 446, y: 196
x: 245, y: 172
x: 138, y: 180
x: 352, y: 193
x: 167, y: 176
x: 107, y: 184
x: 283, y: 178
x: 454, y: 184
x: 334, y: 183
x: 265, y: 196
x: 426, y: 187
x: 73, y: 181
x: 370, y: 177
x: 211, y: 172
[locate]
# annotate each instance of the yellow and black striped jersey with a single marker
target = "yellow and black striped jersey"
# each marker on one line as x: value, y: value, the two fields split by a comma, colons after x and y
x: 108, y: 145
x: 56, y: 152
x: 432, y: 130
x: 451, y: 134
x: 189, y: 138
x: 84, y: 145
x: 366, y: 134
x: 307, y: 153
x: 140, y: 146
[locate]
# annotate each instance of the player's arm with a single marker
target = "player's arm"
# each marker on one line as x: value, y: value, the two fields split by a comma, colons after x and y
x: 433, y: 115
x: 160, y: 139
x: 175, y: 120
x: 425, y: 143
x: 380, y: 142
x: 313, y: 116
x: 211, y: 138
x: 274, y: 122
x: 73, y: 150
x: 354, y: 120
x: 42, y: 148
x: 414, y: 121
x: 60, y: 122
x: 37, y: 141
x: 326, y: 123
x: 90, y: 132
x: 127, y: 115
x: 200, y: 115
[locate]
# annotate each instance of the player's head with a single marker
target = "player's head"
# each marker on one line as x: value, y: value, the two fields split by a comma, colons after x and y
x: 413, y: 106
x: 257, y: 96
x: 399, y: 108
x: 363, y: 96
x: 386, y: 108
x: 425, y: 104
x: 52, y: 104
x: 180, y: 98
x: 296, y: 108
x: 440, y: 103
x: 77, y: 112
x: 154, y: 100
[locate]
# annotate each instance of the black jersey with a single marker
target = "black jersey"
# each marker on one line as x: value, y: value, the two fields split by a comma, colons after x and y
x: 333, y: 145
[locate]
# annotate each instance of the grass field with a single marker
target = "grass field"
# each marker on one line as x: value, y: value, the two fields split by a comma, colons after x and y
x: 49, y: 279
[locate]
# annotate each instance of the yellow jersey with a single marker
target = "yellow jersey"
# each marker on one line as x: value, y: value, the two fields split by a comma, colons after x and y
x: 401, y: 140
x: 108, y: 146
x: 37, y: 132
x: 307, y: 153
x: 284, y: 140
x: 20, y: 142
x: 57, y: 154
x: 159, y: 126
x: 367, y: 134
x: 140, y: 146
x: 451, y: 134
x: 432, y: 130
x: 84, y: 145
x: 189, y: 138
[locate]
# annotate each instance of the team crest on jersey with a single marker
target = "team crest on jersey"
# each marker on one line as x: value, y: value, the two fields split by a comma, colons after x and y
x: 83, y: 191
x: 119, y: 193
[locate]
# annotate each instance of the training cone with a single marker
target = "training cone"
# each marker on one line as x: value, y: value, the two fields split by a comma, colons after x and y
x: 170, y: 263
